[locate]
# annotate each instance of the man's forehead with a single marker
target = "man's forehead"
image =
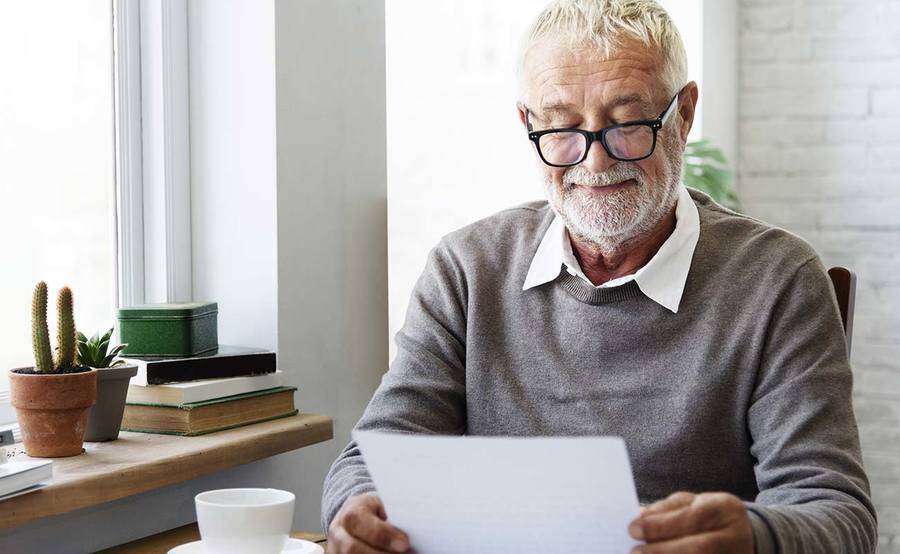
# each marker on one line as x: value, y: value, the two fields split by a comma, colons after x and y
x: 563, y: 78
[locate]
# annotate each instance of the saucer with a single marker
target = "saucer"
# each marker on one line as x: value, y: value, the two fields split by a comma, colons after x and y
x: 292, y: 546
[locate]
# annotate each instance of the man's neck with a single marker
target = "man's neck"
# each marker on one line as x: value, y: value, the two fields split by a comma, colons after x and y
x: 601, y: 266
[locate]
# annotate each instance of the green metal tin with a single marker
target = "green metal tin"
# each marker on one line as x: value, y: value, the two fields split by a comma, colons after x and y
x: 183, y: 329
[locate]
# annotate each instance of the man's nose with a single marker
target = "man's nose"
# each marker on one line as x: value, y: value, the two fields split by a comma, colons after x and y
x: 597, y: 159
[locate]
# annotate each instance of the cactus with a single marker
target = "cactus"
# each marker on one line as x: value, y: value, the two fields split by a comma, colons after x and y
x: 66, y: 340
x: 65, y: 329
x: 40, y: 334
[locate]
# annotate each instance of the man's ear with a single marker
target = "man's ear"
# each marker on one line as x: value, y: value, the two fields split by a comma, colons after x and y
x: 687, y: 108
x: 521, y: 108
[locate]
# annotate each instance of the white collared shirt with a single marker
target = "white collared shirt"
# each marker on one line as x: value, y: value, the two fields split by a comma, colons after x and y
x: 662, y: 279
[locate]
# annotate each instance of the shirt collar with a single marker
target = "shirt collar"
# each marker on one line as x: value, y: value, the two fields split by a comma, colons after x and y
x: 662, y: 279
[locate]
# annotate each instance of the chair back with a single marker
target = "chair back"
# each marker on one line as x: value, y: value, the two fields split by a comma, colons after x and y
x: 844, y: 282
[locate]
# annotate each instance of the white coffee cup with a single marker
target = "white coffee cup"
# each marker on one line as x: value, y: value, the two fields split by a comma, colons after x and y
x: 245, y: 521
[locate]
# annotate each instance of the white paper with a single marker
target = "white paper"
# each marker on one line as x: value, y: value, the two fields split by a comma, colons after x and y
x: 501, y: 494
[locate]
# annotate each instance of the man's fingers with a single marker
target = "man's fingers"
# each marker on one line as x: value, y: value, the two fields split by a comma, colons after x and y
x: 707, y: 512
x: 374, y: 531
x: 371, y: 502
x: 379, y: 510
x: 340, y: 542
x: 672, y: 502
x: 362, y: 522
x: 688, y: 520
x: 706, y: 543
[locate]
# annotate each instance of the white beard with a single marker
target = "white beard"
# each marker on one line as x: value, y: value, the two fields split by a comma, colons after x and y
x: 611, y: 221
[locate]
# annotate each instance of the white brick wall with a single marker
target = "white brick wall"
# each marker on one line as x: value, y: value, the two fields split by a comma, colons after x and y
x: 820, y: 155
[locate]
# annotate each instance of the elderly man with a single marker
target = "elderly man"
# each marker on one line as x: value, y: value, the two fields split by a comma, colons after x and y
x: 630, y: 306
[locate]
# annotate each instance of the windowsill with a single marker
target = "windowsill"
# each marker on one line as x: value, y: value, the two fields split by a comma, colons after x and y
x: 7, y: 413
x: 139, y: 462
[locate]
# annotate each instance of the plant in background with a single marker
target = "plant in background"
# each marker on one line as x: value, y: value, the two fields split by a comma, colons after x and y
x: 706, y: 169
x: 113, y: 376
x: 65, y: 331
x: 94, y: 352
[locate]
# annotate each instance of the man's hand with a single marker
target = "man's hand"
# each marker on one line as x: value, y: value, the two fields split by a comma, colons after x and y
x: 361, y: 527
x: 703, y: 523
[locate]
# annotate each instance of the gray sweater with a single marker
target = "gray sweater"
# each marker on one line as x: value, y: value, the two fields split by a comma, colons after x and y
x: 747, y: 389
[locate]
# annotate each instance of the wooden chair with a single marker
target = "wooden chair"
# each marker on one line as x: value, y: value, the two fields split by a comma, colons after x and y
x: 844, y: 282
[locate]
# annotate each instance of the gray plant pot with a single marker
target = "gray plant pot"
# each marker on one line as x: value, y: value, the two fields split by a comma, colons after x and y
x: 106, y: 415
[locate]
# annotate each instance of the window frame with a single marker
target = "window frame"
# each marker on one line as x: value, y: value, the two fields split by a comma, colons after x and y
x: 152, y: 213
x: 164, y: 192
x: 7, y: 412
x: 128, y: 152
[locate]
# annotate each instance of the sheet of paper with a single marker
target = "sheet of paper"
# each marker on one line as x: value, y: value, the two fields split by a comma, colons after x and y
x: 502, y: 494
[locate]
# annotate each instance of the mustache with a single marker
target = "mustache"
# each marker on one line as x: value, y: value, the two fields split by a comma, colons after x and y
x: 578, y: 175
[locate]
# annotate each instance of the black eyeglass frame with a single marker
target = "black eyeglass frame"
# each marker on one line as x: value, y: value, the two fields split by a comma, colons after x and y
x: 600, y: 135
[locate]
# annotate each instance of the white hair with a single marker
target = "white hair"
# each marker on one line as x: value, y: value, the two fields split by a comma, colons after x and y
x: 603, y: 24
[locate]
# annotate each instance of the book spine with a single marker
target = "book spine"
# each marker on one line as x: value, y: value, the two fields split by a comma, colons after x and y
x: 208, y: 431
x: 211, y: 401
x: 175, y: 371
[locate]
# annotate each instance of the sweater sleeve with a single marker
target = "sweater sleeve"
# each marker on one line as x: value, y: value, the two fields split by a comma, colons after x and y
x: 813, y: 491
x: 423, y: 392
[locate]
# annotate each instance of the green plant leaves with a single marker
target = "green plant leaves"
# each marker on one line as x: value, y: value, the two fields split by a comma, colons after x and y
x: 94, y: 351
x: 706, y: 169
x: 108, y: 359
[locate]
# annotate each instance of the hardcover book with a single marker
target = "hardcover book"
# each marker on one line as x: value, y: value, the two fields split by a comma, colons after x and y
x: 198, y: 391
x: 227, y: 361
x: 19, y: 476
x: 199, y: 418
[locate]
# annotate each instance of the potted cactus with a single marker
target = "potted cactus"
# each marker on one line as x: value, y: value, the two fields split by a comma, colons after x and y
x: 53, y: 398
x: 113, y: 376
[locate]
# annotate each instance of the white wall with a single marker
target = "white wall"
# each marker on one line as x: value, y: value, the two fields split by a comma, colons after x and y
x: 820, y: 154
x: 233, y: 192
x: 451, y: 69
x: 719, y: 89
x: 688, y: 17
x: 332, y: 220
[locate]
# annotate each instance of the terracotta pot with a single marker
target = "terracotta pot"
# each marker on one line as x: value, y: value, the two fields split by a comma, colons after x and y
x: 52, y: 410
x: 106, y: 415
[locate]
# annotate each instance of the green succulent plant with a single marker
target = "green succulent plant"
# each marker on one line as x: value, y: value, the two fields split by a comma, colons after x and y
x: 65, y: 330
x: 706, y: 169
x: 95, y: 352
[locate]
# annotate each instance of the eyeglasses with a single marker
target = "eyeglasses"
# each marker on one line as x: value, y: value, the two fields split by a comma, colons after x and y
x: 628, y: 142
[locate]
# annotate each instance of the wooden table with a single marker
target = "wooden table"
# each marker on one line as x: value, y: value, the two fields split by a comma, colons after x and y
x: 139, y: 462
x: 163, y: 542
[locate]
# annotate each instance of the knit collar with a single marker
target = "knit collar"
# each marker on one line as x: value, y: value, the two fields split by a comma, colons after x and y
x: 662, y: 279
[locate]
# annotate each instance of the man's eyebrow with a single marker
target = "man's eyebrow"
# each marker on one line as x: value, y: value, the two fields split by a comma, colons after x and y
x: 555, y: 108
x: 629, y: 99
x: 624, y: 100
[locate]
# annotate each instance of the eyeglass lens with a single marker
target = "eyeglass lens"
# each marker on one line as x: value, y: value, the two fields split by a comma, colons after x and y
x: 568, y: 147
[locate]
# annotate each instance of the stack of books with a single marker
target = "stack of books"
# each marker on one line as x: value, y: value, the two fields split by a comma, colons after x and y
x: 19, y: 476
x: 193, y: 396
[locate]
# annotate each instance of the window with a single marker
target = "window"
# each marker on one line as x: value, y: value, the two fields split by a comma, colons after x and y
x: 451, y: 66
x: 57, y: 184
